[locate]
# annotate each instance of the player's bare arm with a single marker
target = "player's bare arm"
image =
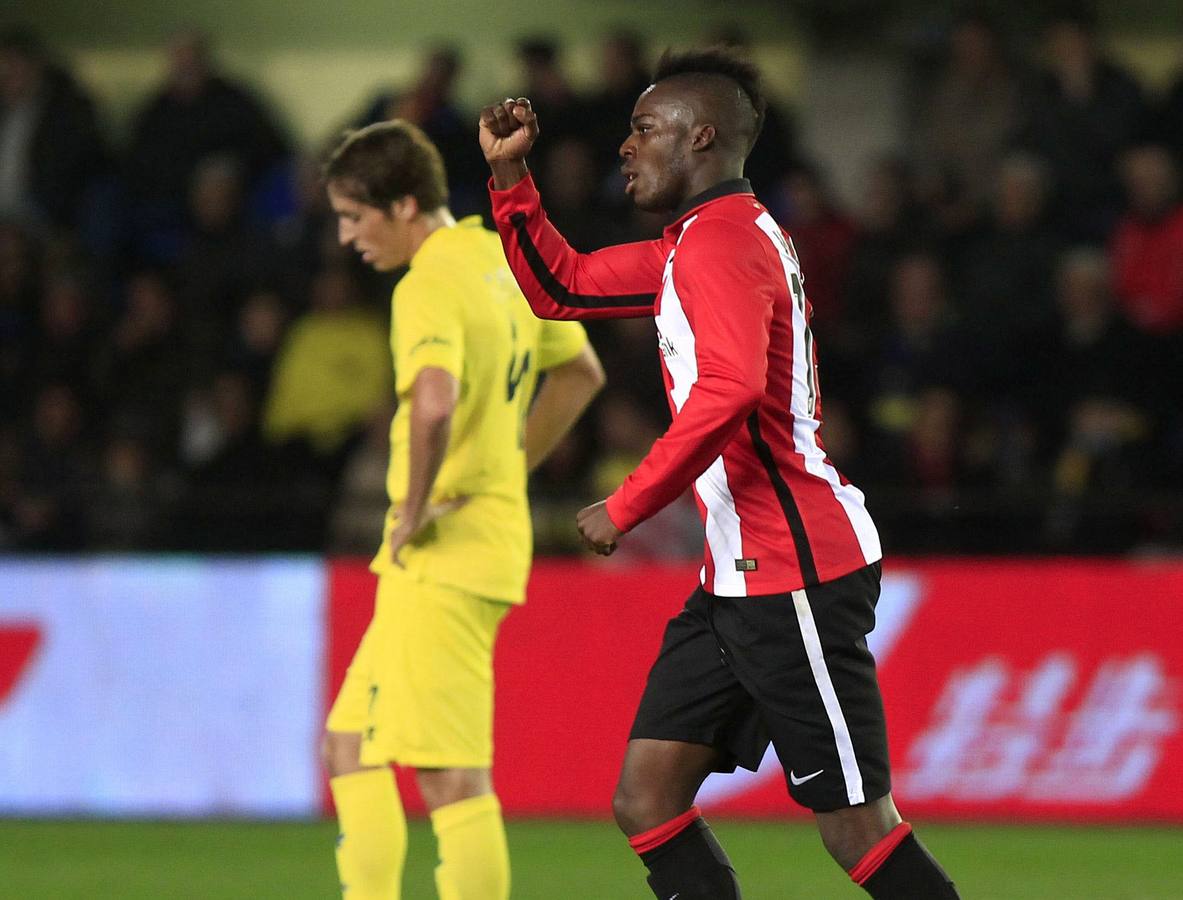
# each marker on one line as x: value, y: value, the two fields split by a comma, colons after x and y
x: 561, y: 400
x: 433, y: 400
x: 507, y: 132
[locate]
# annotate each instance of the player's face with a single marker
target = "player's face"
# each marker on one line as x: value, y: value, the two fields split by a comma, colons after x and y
x: 380, y: 236
x: 657, y: 151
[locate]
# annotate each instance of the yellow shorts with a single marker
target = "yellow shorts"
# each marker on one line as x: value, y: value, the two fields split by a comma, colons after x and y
x: 420, y: 687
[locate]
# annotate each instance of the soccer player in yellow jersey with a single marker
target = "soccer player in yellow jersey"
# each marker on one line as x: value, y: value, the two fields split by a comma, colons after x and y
x: 456, y: 550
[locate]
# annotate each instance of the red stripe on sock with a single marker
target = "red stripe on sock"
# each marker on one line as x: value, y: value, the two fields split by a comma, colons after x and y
x: 877, y: 855
x: 655, y: 837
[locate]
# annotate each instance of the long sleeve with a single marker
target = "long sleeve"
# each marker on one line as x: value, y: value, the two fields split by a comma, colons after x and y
x: 614, y: 283
x: 724, y: 283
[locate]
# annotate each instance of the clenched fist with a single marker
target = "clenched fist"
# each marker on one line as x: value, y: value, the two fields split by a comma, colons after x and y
x: 507, y: 132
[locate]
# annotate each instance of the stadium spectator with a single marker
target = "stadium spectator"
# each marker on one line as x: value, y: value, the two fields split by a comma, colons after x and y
x: 623, y: 73
x: 823, y: 237
x: 1166, y: 122
x: 1146, y: 247
x: 143, y: 370
x: 331, y: 375
x: 430, y: 103
x: 544, y: 77
x: 70, y: 332
x: 55, y: 466
x: 571, y: 181
x: 921, y: 350
x: 359, y: 511
x: 1003, y: 279
x: 969, y: 115
x: 51, y: 146
x: 197, y: 113
x: 888, y: 227
x: 1094, y: 390
x: 1081, y: 113
x: 124, y: 511
x: 20, y: 285
x: 225, y: 257
x: 240, y: 493
x: 257, y: 337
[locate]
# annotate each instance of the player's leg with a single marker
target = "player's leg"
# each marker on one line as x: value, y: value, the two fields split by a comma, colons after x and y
x: 804, y: 657
x: 466, y: 819
x: 694, y: 718
x: 654, y: 806
x: 372, y: 833
x: 881, y: 854
x: 438, y: 719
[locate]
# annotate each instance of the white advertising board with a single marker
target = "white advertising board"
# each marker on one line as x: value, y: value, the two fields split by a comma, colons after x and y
x: 161, y: 687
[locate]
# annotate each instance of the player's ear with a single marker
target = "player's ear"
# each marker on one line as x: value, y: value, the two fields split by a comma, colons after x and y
x: 703, y: 137
x: 405, y: 208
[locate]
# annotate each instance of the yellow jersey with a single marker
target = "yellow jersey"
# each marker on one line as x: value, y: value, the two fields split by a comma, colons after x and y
x: 331, y: 375
x: 459, y: 309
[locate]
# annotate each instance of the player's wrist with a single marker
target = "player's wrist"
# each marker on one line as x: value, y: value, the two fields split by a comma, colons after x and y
x: 508, y: 172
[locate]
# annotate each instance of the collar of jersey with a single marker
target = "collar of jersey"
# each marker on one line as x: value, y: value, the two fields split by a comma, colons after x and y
x: 433, y: 239
x: 722, y: 189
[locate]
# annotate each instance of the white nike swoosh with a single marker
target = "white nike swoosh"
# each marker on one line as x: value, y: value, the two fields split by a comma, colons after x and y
x: 799, y: 781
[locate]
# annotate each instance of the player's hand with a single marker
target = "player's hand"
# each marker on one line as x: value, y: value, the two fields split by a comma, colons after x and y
x: 405, y: 530
x: 508, y: 130
x: 597, y: 529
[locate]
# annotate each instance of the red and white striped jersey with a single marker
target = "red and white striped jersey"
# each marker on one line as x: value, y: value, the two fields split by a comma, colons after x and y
x: 725, y: 287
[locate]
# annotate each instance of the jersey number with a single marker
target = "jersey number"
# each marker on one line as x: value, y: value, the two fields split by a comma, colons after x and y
x: 518, y: 368
x: 810, y: 367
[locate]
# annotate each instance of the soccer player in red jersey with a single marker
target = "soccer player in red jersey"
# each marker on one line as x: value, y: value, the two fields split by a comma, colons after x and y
x: 772, y: 646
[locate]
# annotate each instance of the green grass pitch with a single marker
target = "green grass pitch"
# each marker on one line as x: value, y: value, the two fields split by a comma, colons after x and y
x: 562, y: 859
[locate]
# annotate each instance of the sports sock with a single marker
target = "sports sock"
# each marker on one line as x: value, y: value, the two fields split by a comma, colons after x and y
x: 474, y: 857
x: 372, y: 843
x: 899, y: 867
x: 685, y: 860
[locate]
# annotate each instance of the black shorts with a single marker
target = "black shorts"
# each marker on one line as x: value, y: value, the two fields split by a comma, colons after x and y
x: 794, y: 669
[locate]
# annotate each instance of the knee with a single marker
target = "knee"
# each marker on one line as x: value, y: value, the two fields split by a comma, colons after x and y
x: 341, y: 753
x: 442, y: 787
x: 848, y: 834
x: 844, y: 847
x: 638, y: 810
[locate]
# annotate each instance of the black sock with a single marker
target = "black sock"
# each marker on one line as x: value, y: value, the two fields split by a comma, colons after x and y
x: 909, y: 872
x: 691, y: 866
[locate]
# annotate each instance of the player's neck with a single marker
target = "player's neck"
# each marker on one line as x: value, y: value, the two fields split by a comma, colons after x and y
x: 709, y: 176
x: 425, y: 224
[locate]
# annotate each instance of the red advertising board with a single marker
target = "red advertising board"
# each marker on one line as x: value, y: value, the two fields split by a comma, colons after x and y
x: 1036, y: 690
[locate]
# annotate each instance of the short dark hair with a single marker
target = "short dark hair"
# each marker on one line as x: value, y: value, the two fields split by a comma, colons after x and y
x: 718, y: 60
x: 384, y: 162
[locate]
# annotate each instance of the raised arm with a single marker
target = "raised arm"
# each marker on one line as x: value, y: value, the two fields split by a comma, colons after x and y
x: 559, y: 283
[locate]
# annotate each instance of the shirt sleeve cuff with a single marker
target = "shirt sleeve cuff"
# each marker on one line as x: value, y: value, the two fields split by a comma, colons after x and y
x: 615, y: 508
x: 521, y: 197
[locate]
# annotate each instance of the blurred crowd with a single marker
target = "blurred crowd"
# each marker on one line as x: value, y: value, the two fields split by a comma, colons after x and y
x: 190, y: 361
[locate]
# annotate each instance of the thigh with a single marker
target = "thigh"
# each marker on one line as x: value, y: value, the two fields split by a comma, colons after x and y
x: 693, y: 696
x: 804, y: 657
x: 433, y: 703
